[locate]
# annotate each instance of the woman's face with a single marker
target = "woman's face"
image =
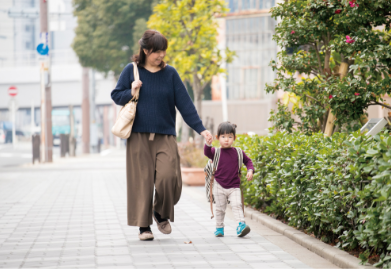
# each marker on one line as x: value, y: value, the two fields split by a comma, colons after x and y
x: 155, y: 58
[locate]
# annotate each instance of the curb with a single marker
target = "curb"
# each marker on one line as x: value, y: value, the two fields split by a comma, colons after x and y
x: 336, y: 256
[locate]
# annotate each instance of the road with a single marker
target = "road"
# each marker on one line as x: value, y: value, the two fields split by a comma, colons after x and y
x: 21, y: 154
x: 13, y: 157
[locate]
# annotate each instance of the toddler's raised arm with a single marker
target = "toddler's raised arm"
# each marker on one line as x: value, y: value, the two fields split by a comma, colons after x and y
x: 209, y: 151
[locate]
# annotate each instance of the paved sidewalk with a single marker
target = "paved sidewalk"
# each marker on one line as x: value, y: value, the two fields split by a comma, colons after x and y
x: 72, y: 214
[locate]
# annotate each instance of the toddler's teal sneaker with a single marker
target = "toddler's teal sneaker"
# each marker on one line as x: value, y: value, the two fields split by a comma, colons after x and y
x: 242, y: 229
x: 219, y: 232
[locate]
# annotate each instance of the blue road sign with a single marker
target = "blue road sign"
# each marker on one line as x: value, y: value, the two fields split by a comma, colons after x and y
x: 43, y: 49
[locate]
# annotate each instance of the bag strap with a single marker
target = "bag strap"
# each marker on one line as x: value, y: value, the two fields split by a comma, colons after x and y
x: 215, y: 163
x: 136, y: 77
x: 240, y: 160
x: 216, y: 159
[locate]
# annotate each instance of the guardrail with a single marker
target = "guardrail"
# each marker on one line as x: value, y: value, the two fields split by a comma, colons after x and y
x: 31, y: 58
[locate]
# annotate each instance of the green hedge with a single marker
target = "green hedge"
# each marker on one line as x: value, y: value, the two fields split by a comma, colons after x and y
x: 338, y: 188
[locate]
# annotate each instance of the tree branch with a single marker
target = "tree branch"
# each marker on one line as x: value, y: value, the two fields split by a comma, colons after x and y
x: 187, y: 32
x: 316, y: 75
x: 327, y: 55
x: 314, y: 72
x: 207, y: 82
x: 303, y: 71
x: 206, y: 69
x: 325, y: 115
x: 197, y: 29
x: 375, y: 103
x: 312, y: 98
x: 319, y: 61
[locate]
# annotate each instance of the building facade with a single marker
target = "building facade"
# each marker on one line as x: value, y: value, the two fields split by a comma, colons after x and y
x: 248, y: 30
x: 19, y: 67
x: 249, y: 33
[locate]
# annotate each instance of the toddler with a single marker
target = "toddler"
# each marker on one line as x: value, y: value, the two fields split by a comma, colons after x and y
x: 226, y: 185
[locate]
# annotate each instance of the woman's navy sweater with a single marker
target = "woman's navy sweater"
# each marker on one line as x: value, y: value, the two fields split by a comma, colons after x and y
x: 161, y: 92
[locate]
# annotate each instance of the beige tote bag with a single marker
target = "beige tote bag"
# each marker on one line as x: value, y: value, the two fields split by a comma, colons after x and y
x: 124, y: 123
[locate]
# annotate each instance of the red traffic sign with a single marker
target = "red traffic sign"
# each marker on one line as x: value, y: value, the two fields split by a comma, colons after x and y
x: 12, y: 91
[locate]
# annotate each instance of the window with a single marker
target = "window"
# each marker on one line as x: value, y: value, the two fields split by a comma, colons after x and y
x: 248, y: 4
x: 28, y: 44
x: 251, y: 39
x: 233, y: 5
x: 266, y: 4
x: 243, y: 5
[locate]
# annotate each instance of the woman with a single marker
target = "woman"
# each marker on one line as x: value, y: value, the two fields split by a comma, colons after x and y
x: 152, y: 158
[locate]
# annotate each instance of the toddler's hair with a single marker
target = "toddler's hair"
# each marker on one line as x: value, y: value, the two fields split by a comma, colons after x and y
x: 226, y: 128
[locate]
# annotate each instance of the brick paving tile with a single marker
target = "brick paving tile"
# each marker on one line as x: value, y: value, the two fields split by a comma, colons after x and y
x: 56, y: 216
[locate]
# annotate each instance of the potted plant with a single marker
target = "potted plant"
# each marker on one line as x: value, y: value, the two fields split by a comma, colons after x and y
x: 193, y: 162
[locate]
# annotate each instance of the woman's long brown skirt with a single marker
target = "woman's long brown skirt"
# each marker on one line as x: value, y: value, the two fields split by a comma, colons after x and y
x: 152, y: 160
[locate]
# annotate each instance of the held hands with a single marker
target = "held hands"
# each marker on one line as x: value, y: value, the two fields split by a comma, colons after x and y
x: 249, y: 175
x: 136, y: 85
x: 208, y: 137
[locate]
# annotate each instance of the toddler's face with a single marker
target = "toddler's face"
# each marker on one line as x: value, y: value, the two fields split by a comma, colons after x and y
x: 226, y: 140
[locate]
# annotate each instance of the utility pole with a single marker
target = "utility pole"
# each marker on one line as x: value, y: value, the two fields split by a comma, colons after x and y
x: 222, y: 77
x: 46, y: 91
x: 14, y: 141
x: 224, y: 95
x: 85, y: 107
x: 72, y: 140
x: 32, y: 117
x: 93, y: 126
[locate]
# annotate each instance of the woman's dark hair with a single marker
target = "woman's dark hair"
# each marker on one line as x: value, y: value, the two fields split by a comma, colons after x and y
x: 151, y: 41
x: 226, y: 128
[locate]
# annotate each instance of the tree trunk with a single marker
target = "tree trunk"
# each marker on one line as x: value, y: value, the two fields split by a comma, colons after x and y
x: 330, y: 124
x: 185, y: 132
x: 363, y: 119
x: 327, y: 69
x: 343, y: 71
x: 197, y: 91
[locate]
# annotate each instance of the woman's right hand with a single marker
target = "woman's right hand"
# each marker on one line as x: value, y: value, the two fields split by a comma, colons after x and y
x: 208, y: 136
x: 136, y: 85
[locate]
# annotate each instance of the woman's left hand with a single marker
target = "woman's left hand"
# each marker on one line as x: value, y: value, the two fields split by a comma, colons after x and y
x: 208, y: 137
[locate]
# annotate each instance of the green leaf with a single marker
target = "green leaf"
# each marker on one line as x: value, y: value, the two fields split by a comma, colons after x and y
x: 372, y: 152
